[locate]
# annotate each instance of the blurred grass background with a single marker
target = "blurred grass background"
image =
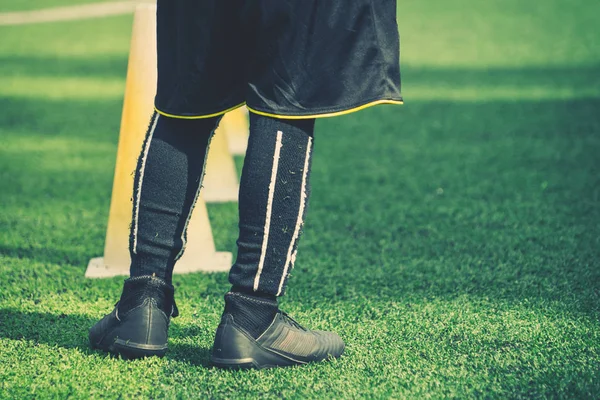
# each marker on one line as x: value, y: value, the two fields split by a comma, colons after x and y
x: 453, y: 242
x: 32, y: 5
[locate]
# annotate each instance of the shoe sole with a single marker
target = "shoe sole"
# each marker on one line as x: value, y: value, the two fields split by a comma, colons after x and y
x: 252, y: 363
x: 249, y: 363
x: 249, y: 355
x: 256, y: 357
x: 131, y: 351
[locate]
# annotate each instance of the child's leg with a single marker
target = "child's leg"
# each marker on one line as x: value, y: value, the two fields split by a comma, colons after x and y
x: 273, y: 198
x: 274, y: 192
x: 168, y: 179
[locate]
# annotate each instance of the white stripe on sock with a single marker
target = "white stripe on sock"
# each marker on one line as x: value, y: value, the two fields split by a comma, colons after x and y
x: 289, y: 261
x: 139, y: 192
x: 187, y: 221
x: 263, y: 251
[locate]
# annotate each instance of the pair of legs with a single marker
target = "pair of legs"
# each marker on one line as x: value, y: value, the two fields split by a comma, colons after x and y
x: 291, y: 59
x: 273, y: 196
x: 274, y: 192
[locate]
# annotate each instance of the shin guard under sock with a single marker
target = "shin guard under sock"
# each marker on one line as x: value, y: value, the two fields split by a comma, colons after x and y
x: 274, y: 191
x: 168, y: 179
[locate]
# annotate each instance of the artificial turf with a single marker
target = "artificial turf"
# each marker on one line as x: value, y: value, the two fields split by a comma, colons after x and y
x: 453, y: 242
x: 33, y: 5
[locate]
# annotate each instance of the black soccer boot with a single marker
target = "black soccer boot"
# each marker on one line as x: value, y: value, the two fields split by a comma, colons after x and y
x: 240, y: 343
x: 138, y: 325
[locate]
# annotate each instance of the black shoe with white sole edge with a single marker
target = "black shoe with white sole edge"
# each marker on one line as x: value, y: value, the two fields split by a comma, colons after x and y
x: 138, y: 325
x: 284, y: 343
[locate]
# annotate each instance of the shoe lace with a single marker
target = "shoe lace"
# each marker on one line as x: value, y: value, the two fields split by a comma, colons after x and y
x: 291, y: 321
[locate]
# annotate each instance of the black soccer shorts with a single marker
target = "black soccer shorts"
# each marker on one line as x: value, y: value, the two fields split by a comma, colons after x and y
x: 283, y: 58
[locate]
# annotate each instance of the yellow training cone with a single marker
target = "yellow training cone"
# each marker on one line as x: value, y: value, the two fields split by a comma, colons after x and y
x: 235, y: 124
x: 200, y: 254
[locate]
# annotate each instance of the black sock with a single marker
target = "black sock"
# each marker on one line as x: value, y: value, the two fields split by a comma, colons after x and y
x: 274, y: 191
x: 167, y: 181
x: 254, y: 314
x: 138, y: 288
x: 252, y: 293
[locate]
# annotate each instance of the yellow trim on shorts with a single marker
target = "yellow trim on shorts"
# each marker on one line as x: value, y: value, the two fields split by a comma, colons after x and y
x: 325, y: 115
x: 199, y: 116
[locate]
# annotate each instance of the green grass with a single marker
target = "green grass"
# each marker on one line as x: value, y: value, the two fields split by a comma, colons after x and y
x: 454, y: 242
x: 29, y: 5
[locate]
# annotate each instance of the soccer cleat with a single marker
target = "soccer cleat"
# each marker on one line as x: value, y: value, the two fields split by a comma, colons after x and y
x: 284, y: 343
x: 138, y: 325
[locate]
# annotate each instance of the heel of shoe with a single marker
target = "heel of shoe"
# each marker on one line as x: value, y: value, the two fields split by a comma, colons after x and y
x: 141, y: 332
x: 130, y: 350
x: 146, y: 324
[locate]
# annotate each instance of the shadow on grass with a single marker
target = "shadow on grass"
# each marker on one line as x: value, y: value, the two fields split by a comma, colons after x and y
x: 70, y: 332
x: 198, y: 356
x: 114, y: 66
x: 45, y: 254
x: 97, y: 120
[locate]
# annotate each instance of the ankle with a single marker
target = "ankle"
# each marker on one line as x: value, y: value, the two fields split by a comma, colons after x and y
x: 252, y: 313
x: 252, y: 293
x: 139, y: 288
